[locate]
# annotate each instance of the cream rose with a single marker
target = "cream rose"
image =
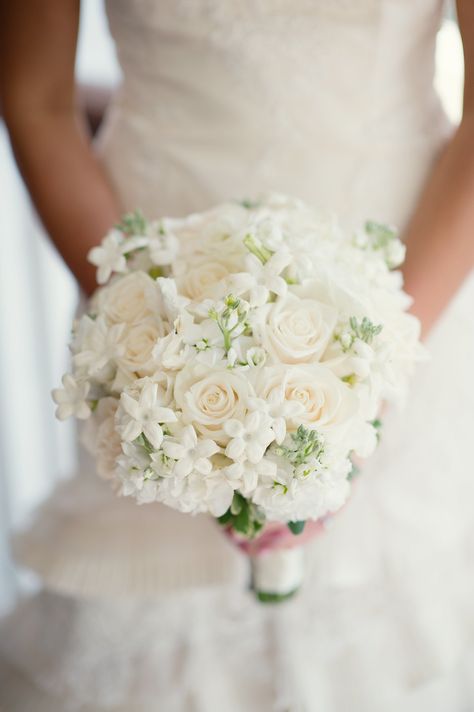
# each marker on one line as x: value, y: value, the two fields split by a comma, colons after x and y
x: 130, y: 299
x: 208, y: 400
x: 326, y: 402
x: 200, y: 279
x: 139, y: 342
x: 295, y: 330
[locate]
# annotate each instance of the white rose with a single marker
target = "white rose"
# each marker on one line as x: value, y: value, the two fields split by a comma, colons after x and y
x: 209, y: 399
x: 139, y: 343
x: 199, y: 279
x: 294, y: 330
x: 326, y: 402
x: 130, y: 299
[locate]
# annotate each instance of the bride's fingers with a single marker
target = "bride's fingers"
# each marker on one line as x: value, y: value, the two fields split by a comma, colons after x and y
x: 283, y: 537
x: 275, y: 536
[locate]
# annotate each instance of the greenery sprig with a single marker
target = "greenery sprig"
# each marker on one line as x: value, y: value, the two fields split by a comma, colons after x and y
x: 257, y: 248
x: 243, y: 516
x: 380, y: 235
x: 133, y: 224
x: 365, y: 330
x: 305, y: 444
x: 232, y: 320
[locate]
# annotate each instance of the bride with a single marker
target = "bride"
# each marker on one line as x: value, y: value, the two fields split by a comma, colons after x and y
x: 145, y: 609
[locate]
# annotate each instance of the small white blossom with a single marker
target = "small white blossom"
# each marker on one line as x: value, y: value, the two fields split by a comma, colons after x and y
x: 100, y: 344
x: 278, y: 409
x: 245, y: 476
x: 267, y: 277
x: 145, y: 415
x: 71, y: 400
x: 190, y: 452
x: 109, y: 256
x: 249, y: 438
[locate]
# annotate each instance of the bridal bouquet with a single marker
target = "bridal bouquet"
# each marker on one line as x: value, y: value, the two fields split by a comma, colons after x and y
x: 233, y: 361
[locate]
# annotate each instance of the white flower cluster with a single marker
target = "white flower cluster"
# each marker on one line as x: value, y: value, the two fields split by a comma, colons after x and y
x: 240, y: 355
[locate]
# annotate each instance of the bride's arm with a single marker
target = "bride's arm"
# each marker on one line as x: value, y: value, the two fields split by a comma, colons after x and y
x: 70, y: 192
x: 440, y: 235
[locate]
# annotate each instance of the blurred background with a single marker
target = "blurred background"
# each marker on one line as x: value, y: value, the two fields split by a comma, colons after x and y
x: 38, y: 298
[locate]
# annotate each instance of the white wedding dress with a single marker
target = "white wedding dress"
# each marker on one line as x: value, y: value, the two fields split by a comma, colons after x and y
x: 146, y: 610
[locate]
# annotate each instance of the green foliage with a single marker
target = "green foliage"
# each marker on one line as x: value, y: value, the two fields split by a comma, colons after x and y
x: 377, y: 424
x: 364, y: 330
x: 305, y: 444
x: 233, y: 307
x: 133, y: 224
x: 265, y: 597
x: 380, y: 235
x: 155, y: 272
x: 351, y: 379
x: 296, y: 527
x: 249, y: 204
x: 243, y: 516
x: 355, y: 472
x: 257, y: 248
x: 145, y: 443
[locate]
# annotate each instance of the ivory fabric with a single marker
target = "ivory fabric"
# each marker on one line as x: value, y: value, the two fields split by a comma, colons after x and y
x: 146, y: 609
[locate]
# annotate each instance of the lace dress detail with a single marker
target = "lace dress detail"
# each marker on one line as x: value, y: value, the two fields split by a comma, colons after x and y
x: 225, y: 99
x: 145, y: 609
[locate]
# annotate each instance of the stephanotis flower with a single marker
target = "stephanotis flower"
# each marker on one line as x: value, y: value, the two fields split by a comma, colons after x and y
x: 245, y: 476
x: 146, y: 415
x: 100, y: 344
x: 266, y: 278
x: 250, y: 437
x: 110, y: 255
x: 278, y: 409
x: 71, y: 400
x: 190, y: 452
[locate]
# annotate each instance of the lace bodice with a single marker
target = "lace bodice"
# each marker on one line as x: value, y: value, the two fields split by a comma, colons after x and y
x: 330, y: 100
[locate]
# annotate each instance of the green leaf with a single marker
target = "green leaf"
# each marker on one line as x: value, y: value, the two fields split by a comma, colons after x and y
x: 237, y: 503
x: 296, y: 527
x: 249, y: 204
x: 155, y: 272
x: 255, y: 246
x: 380, y: 233
x: 377, y: 424
x: 242, y: 521
x: 265, y: 597
x: 355, y: 472
x: 225, y: 518
x: 145, y: 443
x: 243, y: 516
x: 133, y: 224
x: 351, y: 379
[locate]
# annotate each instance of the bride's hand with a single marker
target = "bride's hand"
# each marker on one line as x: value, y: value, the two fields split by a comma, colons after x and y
x: 276, y: 536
